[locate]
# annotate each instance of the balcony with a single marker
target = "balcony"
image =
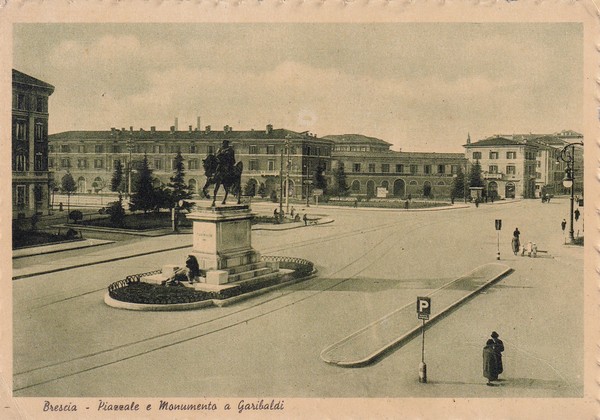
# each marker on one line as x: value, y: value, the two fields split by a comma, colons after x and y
x: 498, y: 175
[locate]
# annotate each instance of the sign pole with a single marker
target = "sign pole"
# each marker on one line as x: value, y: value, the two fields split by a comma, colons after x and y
x: 422, y: 365
x: 498, y: 255
x: 423, y: 311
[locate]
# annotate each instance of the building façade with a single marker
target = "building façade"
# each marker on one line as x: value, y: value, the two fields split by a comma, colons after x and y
x: 30, y: 175
x: 91, y: 156
x: 369, y: 164
x: 525, y: 165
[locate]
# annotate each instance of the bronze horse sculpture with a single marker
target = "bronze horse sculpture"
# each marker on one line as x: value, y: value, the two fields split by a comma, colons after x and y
x: 219, y: 175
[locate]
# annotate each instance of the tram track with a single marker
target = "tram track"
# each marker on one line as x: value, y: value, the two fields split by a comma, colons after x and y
x: 283, y: 299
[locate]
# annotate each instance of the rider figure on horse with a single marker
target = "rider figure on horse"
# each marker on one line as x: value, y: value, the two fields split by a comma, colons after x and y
x: 225, y: 158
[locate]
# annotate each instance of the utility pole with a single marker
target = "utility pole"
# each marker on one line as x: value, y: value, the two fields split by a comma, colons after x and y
x: 281, y: 187
x: 287, y: 174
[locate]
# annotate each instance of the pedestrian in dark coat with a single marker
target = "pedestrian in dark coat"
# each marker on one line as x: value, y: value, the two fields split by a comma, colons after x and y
x: 515, y: 244
x: 563, y: 224
x: 490, y: 362
x: 498, y: 348
x: 517, y: 233
x: 577, y: 213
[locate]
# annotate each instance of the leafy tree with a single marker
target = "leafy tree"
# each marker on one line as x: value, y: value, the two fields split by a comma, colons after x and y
x: 117, y: 181
x: 340, y: 185
x: 179, y: 190
x: 319, y: 180
x: 458, y: 185
x: 475, y: 178
x: 68, y: 186
x: 250, y: 188
x: 144, y: 197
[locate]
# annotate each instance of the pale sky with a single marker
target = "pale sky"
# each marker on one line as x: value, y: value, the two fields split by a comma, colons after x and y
x: 419, y: 86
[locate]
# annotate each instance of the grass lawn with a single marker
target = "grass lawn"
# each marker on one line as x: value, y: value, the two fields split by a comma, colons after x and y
x: 140, y: 221
x: 26, y: 238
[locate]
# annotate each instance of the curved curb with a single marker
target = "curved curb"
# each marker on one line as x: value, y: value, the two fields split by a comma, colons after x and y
x: 201, y: 304
x: 379, y: 353
x: 327, y: 221
x: 155, y: 307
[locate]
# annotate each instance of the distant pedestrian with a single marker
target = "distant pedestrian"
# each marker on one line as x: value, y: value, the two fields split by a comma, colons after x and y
x: 563, y: 224
x: 515, y: 244
x: 490, y: 362
x: 452, y: 200
x: 292, y: 211
x: 498, y: 349
x: 406, y: 204
x: 409, y: 197
x: 305, y: 218
x: 356, y: 203
x: 533, y: 250
x: 517, y: 233
x: 577, y: 214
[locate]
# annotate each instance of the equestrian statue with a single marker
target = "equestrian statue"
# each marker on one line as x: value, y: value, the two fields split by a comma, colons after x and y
x: 221, y: 169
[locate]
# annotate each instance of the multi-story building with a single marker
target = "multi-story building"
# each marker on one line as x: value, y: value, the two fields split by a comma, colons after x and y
x: 525, y: 165
x: 508, y: 166
x: 373, y: 169
x: 91, y: 156
x: 30, y: 176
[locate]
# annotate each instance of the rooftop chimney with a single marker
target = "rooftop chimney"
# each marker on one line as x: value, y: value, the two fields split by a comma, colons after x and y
x: 153, y: 128
x: 269, y: 128
x: 176, y: 126
x: 131, y: 128
x: 172, y: 129
x: 112, y: 131
x: 198, y: 126
x: 190, y: 128
x: 207, y: 129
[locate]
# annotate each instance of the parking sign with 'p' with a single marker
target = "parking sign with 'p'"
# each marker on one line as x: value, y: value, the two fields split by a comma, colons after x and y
x: 423, y: 307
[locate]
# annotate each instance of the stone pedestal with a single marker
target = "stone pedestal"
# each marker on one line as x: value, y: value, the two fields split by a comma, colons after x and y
x: 222, y: 238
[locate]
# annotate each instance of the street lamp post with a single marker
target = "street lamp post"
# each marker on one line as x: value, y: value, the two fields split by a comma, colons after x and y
x: 567, y: 155
x: 281, y: 187
x: 287, y: 174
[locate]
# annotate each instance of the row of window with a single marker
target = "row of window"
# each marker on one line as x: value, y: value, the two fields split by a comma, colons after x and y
x: 21, y: 130
x: 360, y: 148
x: 401, y: 168
x: 21, y: 163
x: 510, y: 169
x: 25, y: 102
x: 208, y: 149
x: 495, y: 155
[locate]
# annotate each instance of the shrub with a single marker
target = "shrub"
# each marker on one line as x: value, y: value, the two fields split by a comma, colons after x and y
x: 274, y: 196
x: 76, y: 215
x: 117, y: 213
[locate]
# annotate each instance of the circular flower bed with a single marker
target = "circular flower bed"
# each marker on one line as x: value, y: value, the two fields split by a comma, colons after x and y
x: 133, y: 289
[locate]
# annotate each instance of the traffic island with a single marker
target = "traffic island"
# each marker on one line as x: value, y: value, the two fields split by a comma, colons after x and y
x: 226, y: 267
x: 387, y: 334
x: 135, y: 293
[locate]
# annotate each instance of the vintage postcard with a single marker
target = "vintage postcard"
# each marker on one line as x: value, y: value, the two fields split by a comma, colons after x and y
x: 299, y: 209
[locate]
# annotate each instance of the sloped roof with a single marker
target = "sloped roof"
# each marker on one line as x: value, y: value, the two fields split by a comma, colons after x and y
x: 158, y: 135
x: 356, y: 139
x: 495, y: 141
x: 20, y: 77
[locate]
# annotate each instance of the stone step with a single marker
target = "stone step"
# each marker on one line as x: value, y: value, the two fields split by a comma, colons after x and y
x: 263, y: 277
x: 249, y: 274
x: 246, y: 267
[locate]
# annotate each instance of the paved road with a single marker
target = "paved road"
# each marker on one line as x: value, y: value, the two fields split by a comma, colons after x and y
x: 68, y: 343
